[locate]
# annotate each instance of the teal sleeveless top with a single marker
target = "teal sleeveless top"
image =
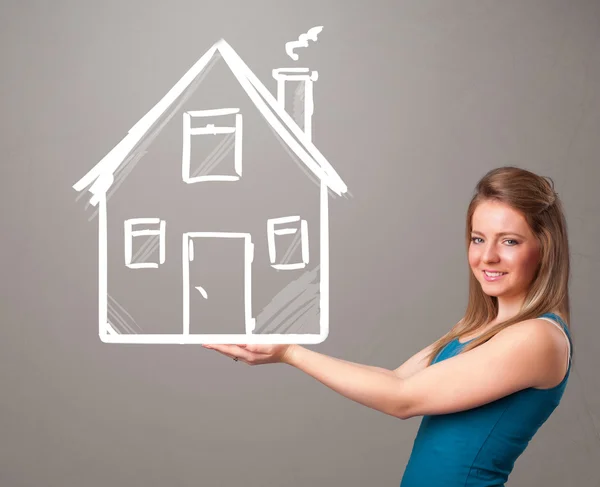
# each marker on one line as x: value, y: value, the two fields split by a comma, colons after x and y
x: 478, y: 447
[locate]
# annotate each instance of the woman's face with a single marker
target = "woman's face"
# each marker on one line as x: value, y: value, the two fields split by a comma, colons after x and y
x: 502, y: 242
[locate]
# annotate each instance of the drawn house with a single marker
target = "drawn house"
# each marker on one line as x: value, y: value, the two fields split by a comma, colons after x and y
x: 220, y: 234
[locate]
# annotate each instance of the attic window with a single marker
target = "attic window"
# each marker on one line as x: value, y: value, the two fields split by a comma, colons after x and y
x: 288, y: 246
x: 212, y: 145
x: 144, y: 246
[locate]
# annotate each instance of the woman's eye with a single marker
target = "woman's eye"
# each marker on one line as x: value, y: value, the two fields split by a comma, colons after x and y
x: 510, y: 241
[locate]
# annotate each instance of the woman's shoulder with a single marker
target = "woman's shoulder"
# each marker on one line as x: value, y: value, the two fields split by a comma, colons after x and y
x: 548, y: 337
x: 539, y: 327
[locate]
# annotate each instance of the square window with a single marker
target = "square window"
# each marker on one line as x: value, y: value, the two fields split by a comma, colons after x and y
x: 144, y: 245
x: 212, y: 145
x: 288, y: 246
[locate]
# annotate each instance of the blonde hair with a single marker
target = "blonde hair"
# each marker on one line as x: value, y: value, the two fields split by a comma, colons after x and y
x: 534, y: 197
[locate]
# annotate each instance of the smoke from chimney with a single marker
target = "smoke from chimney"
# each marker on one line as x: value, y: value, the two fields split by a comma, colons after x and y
x: 302, y: 41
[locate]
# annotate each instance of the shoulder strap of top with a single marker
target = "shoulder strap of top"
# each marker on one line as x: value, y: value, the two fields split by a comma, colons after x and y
x: 557, y: 320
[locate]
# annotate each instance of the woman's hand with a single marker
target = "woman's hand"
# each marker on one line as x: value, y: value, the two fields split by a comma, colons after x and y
x: 256, y: 354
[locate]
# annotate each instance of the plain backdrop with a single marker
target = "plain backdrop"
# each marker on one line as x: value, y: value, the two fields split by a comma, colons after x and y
x: 416, y: 101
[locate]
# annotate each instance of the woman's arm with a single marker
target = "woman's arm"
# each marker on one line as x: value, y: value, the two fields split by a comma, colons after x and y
x: 373, y: 387
x: 518, y: 357
x: 527, y: 354
x: 373, y: 368
x: 414, y: 364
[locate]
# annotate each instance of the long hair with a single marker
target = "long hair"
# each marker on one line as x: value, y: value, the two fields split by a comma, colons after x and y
x: 534, y: 197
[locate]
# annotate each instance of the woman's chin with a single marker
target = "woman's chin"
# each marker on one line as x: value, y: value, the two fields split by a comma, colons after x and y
x: 491, y: 290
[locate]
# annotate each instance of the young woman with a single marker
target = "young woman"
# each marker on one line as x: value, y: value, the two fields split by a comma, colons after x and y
x: 485, y: 387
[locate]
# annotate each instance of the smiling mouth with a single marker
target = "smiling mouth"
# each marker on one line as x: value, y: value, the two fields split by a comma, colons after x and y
x: 494, y: 274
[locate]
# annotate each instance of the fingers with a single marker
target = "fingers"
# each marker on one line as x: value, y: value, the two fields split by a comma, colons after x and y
x: 255, y: 348
x: 231, y: 351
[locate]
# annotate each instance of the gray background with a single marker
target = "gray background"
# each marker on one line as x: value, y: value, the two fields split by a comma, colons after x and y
x: 415, y: 102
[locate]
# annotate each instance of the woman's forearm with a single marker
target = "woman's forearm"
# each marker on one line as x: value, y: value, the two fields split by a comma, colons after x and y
x: 369, y: 367
x: 374, y: 388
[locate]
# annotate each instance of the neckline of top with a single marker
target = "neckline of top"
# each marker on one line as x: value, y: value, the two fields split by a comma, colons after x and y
x: 554, y: 315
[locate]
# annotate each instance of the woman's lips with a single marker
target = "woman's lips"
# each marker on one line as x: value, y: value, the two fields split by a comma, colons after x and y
x: 494, y: 277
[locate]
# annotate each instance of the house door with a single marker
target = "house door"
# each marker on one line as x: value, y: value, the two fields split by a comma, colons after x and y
x: 217, y: 283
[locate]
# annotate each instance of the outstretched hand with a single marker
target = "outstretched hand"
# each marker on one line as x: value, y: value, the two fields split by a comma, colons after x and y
x: 255, y: 354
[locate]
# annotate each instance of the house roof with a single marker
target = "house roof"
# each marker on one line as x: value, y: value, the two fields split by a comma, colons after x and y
x: 101, y: 176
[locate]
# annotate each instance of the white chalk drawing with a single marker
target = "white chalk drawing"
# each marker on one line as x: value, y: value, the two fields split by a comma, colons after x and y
x: 116, y: 325
x: 302, y: 41
x: 130, y: 234
x: 305, y: 79
x: 189, y: 132
x: 286, y: 231
x: 188, y: 257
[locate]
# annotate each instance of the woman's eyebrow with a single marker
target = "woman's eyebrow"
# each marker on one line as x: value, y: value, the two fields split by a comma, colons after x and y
x: 501, y: 234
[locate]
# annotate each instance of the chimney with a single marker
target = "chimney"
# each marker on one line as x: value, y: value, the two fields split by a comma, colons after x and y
x: 295, y: 95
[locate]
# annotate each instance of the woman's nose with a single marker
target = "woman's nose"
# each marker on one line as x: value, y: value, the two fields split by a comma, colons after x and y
x: 490, y: 254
